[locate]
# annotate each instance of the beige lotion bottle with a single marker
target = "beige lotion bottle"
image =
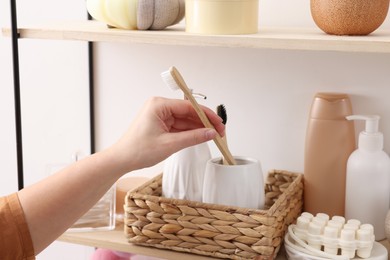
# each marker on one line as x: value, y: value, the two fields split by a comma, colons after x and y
x: 330, y: 140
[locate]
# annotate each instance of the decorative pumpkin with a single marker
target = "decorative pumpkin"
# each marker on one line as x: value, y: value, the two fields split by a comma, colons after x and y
x: 137, y: 14
x: 349, y: 17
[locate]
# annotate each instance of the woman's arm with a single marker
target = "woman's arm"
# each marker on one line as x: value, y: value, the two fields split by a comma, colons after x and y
x: 162, y: 127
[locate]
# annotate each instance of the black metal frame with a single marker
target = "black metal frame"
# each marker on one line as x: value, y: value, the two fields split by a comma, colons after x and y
x: 91, y: 95
x: 17, y: 99
x: 16, y: 73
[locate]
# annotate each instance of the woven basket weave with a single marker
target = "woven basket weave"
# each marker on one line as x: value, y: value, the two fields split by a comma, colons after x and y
x: 210, y: 229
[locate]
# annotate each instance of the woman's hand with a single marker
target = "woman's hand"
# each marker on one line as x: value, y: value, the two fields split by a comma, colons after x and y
x: 164, y: 126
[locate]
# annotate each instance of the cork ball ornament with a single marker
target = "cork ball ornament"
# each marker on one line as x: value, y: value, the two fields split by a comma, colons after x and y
x: 349, y: 17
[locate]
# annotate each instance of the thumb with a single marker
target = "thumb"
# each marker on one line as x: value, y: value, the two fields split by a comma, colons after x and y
x: 194, y: 137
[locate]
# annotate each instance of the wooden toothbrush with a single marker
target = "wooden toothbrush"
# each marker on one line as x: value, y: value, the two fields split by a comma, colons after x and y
x: 175, y: 81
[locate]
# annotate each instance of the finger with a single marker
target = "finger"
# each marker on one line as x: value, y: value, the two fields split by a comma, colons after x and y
x: 186, y: 124
x: 185, y: 110
x: 184, y: 139
x: 214, y: 119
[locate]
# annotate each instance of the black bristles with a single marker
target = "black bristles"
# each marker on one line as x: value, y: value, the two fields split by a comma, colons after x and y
x: 221, y: 111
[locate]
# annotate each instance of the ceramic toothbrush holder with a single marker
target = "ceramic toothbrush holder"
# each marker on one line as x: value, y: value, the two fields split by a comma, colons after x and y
x: 240, y: 185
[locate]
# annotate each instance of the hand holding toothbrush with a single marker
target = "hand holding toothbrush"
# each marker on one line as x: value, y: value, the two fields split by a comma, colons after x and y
x: 163, y: 126
x: 175, y: 81
x: 166, y: 126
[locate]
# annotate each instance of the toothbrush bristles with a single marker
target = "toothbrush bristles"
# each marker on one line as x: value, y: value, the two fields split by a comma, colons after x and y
x: 221, y: 111
x: 169, y: 80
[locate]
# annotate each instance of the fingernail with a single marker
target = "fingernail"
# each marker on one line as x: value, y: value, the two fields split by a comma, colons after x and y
x: 210, y: 134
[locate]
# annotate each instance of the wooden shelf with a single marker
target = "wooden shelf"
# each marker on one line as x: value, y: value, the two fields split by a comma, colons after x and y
x: 268, y: 38
x: 116, y: 240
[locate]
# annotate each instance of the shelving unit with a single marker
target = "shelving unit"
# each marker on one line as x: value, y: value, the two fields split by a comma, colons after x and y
x: 268, y: 38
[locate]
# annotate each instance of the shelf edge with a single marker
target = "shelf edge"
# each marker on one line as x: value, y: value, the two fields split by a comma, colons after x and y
x: 267, y: 38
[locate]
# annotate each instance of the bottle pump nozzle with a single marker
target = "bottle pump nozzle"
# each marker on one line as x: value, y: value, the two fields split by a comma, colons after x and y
x: 371, y: 138
x: 372, y: 122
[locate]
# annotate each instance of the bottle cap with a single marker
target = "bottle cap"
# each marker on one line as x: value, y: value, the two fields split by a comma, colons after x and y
x: 331, y: 106
x: 370, y: 139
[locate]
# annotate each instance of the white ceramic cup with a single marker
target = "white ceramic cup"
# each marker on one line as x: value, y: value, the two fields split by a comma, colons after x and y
x: 240, y: 185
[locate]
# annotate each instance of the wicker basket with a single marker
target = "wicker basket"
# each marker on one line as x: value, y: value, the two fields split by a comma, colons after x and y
x: 214, y: 230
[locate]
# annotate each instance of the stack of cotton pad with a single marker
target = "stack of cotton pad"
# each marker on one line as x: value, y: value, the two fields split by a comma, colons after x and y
x: 333, y: 238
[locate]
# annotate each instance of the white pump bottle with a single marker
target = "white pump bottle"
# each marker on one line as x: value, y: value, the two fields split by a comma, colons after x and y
x: 368, y: 178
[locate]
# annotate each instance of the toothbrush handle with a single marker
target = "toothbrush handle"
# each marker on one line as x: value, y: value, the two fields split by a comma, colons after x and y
x: 218, y: 139
x: 224, y: 161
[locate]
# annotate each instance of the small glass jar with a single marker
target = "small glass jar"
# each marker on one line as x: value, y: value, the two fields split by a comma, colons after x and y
x: 100, y: 217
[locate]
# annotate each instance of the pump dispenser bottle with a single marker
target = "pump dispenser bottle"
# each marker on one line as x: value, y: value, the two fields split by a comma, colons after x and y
x: 330, y: 139
x: 368, y: 178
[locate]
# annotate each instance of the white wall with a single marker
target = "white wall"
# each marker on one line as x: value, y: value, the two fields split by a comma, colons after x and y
x: 8, y: 180
x: 267, y: 92
x: 54, y: 92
